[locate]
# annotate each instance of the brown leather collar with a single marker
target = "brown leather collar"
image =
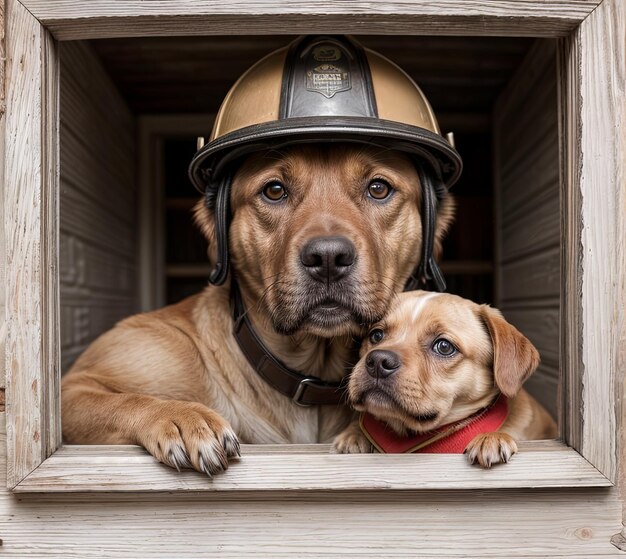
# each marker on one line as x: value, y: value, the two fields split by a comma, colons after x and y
x: 303, y: 390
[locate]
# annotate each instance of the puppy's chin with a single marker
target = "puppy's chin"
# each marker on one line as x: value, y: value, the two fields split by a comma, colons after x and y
x: 383, y: 406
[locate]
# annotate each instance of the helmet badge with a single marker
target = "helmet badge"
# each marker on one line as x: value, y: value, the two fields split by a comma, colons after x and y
x: 327, y: 70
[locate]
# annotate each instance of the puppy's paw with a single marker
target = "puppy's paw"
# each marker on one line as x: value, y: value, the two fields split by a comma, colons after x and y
x: 351, y: 441
x: 490, y: 448
x: 189, y: 435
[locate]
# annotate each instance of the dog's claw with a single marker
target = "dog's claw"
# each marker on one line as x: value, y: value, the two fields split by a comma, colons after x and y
x: 489, y: 449
x: 203, y: 466
x: 231, y: 445
x: 189, y: 435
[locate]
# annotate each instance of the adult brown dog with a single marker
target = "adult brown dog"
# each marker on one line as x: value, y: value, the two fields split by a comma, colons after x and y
x: 321, y: 238
x: 437, y: 359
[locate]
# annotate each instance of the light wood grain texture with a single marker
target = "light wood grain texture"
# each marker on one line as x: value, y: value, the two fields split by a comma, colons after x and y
x: 71, y: 19
x: 537, y: 523
x: 599, y: 154
x: 548, y: 465
x: 570, y: 398
x: 51, y: 334
x: 2, y: 187
x: 98, y: 248
x: 527, y: 211
x: 30, y: 206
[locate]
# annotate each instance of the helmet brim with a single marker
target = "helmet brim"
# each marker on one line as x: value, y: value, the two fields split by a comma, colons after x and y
x: 212, y: 159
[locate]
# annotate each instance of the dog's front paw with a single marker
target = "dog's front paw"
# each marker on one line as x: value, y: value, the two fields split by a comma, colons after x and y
x: 351, y: 441
x: 189, y: 435
x: 490, y: 448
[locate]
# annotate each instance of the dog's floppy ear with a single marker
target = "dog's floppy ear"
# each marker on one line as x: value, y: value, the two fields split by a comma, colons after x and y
x: 205, y: 220
x: 514, y: 356
x: 445, y: 216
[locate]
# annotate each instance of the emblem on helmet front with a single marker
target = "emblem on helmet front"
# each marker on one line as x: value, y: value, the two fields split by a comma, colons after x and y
x: 327, y: 71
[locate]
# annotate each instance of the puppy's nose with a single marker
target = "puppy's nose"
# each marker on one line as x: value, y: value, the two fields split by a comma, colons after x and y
x: 328, y: 259
x: 381, y: 363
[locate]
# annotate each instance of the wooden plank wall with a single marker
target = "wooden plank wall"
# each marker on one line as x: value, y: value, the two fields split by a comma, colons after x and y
x: 98, y: 245
x: 527, y: 211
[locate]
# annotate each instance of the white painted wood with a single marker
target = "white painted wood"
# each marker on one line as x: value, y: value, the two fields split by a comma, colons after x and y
x: 30, y: 206
x: 601, y: 111
x: 98, y: 247
x: 550, y: 464
x: 528, y: 211
x: 73, y: 19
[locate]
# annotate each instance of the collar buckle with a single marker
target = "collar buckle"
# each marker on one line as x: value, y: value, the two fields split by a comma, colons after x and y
x: 300, y: 391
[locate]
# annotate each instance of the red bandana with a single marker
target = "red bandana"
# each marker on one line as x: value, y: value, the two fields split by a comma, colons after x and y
x: 452, y: 438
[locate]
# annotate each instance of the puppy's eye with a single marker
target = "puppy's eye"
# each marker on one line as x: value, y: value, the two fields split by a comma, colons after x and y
x: 444, y: 347
x: 274, y: 191
x: 379, y: 189
x: 376, y: 335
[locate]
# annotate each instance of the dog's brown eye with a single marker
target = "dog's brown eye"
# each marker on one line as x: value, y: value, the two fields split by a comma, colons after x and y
x: 444, y: 347
x: 274, y: 191
x: 379, y: 189
x: 376, y: 335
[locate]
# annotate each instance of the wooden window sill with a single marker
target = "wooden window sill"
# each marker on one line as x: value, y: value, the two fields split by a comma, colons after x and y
x: 539, y: 464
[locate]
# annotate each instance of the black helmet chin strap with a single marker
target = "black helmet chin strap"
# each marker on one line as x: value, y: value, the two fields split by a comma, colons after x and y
x: 222, y: 209
x: 428, y: 270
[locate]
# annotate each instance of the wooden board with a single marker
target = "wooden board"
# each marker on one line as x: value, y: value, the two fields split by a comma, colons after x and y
x: 531, y: 280
x: 98, y: 207
x: 537, y: 523
x: 539, y: 464
x: 2, y: 187
x: 526, y: 172
x: 461, y: 76
x: 31, y: 161
x: 600, y: 108
x: 110, y: 18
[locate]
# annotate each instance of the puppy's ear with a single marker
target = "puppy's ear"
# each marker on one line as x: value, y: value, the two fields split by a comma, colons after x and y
x: 445, y: 216
x: 205, y: 220
x: 514, y: 357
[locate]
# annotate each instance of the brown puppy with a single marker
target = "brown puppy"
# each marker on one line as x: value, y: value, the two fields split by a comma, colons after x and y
x: 175, y: 380
x: 436, y: 359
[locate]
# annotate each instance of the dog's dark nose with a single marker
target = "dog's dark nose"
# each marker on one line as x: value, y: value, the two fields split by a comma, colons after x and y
x: 328, y: 259
x: 381, y: 363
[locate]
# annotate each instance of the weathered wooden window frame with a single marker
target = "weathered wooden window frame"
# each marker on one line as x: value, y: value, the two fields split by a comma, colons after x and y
x: 592, y: 147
